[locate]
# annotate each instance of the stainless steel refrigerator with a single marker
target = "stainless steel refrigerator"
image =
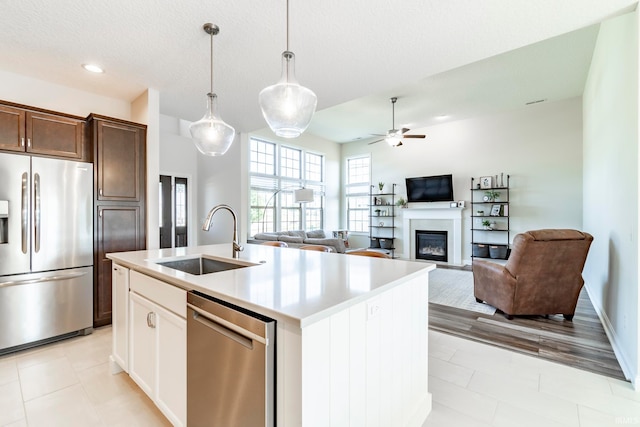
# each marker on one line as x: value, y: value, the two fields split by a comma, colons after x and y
x: 46, y: 250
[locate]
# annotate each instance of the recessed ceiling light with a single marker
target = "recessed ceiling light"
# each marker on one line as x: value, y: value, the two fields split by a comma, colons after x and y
x: 442, y: 117
x: 92, y: 68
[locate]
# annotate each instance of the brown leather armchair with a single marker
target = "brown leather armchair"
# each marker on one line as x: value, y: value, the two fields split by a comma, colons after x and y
x: 542, y: 276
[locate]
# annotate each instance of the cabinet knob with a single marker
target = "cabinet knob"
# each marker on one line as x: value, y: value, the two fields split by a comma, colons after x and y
x: 22, y: 142
x: 100, y: 191
x: 28, y: 142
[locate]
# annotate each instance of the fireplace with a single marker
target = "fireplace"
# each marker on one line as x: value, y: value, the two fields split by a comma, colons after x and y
x: 431, y: 245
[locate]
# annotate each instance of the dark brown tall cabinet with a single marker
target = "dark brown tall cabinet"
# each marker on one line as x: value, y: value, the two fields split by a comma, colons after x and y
x: 119, y: 150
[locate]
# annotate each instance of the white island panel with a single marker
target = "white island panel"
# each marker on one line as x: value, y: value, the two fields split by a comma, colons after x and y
x: 368, y: 366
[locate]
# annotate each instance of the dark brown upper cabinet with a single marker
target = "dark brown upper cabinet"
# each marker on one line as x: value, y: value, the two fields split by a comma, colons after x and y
x: 120, y: 156
x: 42, y: 133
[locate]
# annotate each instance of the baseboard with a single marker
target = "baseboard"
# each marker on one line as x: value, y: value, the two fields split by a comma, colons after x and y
x: 630, y: 372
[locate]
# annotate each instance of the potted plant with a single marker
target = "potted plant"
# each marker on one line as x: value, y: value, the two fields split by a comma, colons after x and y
x: 491, y: 195
x: 380, y: 186
x: 401, y: 202
x: 486, y: 224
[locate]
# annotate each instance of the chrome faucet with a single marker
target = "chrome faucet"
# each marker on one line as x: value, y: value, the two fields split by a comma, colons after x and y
x: 207, y: 224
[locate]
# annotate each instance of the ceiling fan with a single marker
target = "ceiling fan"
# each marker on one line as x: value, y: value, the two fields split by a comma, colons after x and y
x: 394, y: 136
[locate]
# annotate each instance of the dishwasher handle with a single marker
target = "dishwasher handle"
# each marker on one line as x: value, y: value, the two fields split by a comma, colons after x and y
x: 205, y: 319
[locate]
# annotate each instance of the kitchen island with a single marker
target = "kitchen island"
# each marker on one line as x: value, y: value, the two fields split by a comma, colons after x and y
x: 351, y: 332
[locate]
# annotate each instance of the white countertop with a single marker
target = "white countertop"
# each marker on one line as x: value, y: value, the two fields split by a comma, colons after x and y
x: 302, y: 286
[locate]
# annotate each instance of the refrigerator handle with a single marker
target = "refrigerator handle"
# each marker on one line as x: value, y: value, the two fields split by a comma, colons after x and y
x: 36, y: 211
x: 25, y: 211
x: 42, y: 279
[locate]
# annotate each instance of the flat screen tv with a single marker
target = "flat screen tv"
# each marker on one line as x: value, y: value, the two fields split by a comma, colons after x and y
x: 430, y: 189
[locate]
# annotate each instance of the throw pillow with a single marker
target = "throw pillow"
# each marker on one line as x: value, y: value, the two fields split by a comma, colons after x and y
x: 266, y: 236
x: 290, y: 239
x: 316, y: 234
x: 297, y: 233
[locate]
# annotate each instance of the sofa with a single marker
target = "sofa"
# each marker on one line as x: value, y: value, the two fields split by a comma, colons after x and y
x: 542, y: 276
x: 298, y: 238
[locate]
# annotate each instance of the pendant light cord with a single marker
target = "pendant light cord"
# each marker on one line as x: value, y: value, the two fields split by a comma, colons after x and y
x: 211, y: 91
x: 287, y: 24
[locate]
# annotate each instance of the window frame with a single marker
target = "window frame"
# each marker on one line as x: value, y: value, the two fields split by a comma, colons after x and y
x: 277, y: 191
x: 365, y: 220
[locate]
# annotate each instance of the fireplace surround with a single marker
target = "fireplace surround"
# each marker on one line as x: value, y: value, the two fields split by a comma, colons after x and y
x: 433, y: 218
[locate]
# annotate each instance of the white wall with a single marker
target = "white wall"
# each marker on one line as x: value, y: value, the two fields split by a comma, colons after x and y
x: 42, y: 94
x: 540, y: 146
x: 146, y: 109
x: 179, y: 158
x: 220, y: 182
x: 611, y: 186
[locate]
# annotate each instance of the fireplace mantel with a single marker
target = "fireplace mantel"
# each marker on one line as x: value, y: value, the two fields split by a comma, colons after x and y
x: 452, y: 215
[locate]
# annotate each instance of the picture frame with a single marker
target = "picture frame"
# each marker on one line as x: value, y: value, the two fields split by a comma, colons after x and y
x: 486, y: 182
x: 461, y: 204
x: 453, y: 205
x: 496, y: 210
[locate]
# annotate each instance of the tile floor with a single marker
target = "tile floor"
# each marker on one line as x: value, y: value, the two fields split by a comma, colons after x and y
x: 68, y: 384
x: 477, y: 385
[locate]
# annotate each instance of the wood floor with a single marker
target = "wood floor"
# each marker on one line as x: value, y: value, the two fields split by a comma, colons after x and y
x: 582, y: 343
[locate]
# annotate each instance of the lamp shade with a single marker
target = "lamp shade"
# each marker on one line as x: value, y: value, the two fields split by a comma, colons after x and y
x: 303, y: 195
x: 212, y: 136
x: 286, y: 106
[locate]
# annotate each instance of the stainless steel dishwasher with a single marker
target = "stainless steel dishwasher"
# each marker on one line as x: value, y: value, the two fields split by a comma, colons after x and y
x: 230, y: 365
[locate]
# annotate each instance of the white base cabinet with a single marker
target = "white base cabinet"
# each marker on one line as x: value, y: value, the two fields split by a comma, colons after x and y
x: 120, y: 312
x: 158, y: 344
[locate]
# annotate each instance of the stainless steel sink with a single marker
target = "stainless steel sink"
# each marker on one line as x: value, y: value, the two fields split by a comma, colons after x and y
x: 201, y: 265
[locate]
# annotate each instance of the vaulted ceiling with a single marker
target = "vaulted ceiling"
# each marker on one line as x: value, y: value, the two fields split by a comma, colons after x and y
x: 456, y: 57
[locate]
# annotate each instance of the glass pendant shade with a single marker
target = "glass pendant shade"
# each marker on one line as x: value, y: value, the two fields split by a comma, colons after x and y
x: 286, y: 106
x: 212, y: 136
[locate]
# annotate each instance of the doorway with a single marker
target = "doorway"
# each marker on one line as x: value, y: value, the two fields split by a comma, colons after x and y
x: 173, y: 211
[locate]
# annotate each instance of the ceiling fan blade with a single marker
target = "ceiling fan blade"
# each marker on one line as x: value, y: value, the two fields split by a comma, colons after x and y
x: 404, y: 130
x: 379, y: 134
x: 375, y: 142
x: 413, y: 136
x: 398, y: 144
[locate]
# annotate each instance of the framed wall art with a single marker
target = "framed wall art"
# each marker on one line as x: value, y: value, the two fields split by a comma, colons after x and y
x: 486, y: 181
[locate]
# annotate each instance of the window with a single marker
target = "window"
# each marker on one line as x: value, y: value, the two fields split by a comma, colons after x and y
x: 357, y: 194
x: 275, y: 172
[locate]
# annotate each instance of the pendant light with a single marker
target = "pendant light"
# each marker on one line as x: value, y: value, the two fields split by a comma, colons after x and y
x: 286, y: 106
x: 212, y: 136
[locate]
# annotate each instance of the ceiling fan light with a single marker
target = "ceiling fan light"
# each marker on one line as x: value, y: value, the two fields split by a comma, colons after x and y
x: 394, y: 139
x: 394, y: 142
x: 212, y: 136
x: 286, y: 106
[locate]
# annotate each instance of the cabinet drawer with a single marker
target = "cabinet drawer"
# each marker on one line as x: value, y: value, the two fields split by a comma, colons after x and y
x: 168, y: 296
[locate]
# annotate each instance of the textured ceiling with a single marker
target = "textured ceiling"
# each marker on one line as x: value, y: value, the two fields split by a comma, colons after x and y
x: 353, y: 54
